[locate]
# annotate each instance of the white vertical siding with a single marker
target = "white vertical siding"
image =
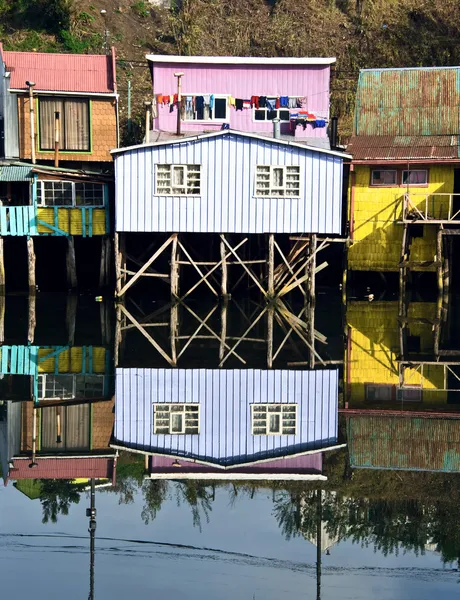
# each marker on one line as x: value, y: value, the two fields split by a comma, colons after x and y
x: 227, y: 203
x: 225, y: 398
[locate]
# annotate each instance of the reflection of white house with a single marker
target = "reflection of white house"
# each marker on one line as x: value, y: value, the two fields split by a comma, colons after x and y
x: 226, y: 419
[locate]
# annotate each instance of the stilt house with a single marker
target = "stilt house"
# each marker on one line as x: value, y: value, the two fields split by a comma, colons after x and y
x: 58, y: 123
x: 239, y: 152
x: 405, y: 173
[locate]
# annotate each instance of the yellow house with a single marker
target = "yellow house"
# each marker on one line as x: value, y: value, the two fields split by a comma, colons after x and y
x: 377, y: 373
x: 404, y: 195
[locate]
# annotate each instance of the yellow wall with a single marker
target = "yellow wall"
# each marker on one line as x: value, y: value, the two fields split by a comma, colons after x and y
x: 70, y: 220
x: 71, y: 360
x: 374, y: 331
x: 377, y: 238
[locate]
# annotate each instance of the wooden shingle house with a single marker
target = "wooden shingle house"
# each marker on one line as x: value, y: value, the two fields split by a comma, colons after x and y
x: 58, y: 123
x: 237, y: 175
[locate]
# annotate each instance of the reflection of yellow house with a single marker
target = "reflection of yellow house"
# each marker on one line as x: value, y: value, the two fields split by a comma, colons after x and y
x: 373, y: 369
x: 405, y: 150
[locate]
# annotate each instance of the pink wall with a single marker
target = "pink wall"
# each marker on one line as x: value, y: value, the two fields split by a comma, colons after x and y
x: 297, y: 464
x: 243, y: 81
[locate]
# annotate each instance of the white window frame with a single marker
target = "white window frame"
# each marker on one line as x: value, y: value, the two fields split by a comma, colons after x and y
x: 225, y: 97
x: 414, y: 184
x: 71, y: 394
x: 184, y: 186
x: 283, y: 410
x: 254, y: 120
x: 395, y: 184
x: 41, y: 199
x: 273, y: 190
x: 164, y: 421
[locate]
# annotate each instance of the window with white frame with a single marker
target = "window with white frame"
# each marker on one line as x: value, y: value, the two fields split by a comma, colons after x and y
x: 277, y: 181
x: 204, y: 110
x: 66, y: 387
x: 178, y: 180
x: 415, y: 177
x: 384, y: 177
x: 273, y: 419
x: 69, y: 193
x: 268, y: 114
x: 176, y: 419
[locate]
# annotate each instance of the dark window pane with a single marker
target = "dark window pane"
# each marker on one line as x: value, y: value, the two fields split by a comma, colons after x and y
x: 284, y: 115
x: 272, y: 114
x: 220, y: 108
x: 259, y: 115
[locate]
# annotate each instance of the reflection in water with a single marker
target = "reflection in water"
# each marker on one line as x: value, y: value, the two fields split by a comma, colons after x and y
x: 353, y: 430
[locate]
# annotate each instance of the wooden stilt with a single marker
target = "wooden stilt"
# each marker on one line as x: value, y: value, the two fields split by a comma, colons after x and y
x: 2, y: 318
x: 71, y: 317
x: 224, y: 285
x: 32, y: 319
x: 104, y: 269
x: 117, y: 344
x: 271, y: 265
x: 223, y: 326
x: 116, y: 249
x: 71, y: 264
x: 174, y: 269
x: 312, y: 283
x: 31, y: 265
x: 2, y: 267
x: 439, y: 261
x: 174, y: 331
x: 270, y: 317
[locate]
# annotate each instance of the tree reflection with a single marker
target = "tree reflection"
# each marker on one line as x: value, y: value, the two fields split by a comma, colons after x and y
x: 56, y: 496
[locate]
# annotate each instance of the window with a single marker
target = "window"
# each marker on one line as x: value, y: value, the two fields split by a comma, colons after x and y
x: 277, y: 181
x: 194, y: 112
x: 379, y: 393
x: 177, y: 419
x: 66, y: 387
x: 415, y: 177
x: 410, y: 394
x: 74, y: 124
x: 178, y: 180
x: 68, y: 193
x: 384, y: 177
x: 273, y: 419
x: 265, y: 114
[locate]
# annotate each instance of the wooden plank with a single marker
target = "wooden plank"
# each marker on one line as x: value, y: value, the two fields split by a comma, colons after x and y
x: 31, y: 265
x: 271, y: 266
x: 3, y: 221
x: 142, y: 270
x: 200, y: 272
x: 248, y: 271
x: 71, y: 264
x: 200, y: 327
x: 253, y: 324
x: 13, y: 225
x: 2, y: 267
x: 224, y: 284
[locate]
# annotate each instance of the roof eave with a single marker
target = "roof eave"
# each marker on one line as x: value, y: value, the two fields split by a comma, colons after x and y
x: 241, y: 60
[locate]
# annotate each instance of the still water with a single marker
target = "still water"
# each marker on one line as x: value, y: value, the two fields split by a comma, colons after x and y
x: 203, y: 486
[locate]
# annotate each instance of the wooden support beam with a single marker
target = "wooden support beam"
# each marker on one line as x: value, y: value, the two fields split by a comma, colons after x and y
x: 31, y: 265
x: 200, y: 272
x: 312, y: 283
x: 174, y: 331
x: 270, y: 318
x: 197, y: 331
x: 71, y: 264
x: 155, y: 344
x: 32, y: 320
x: 248, y: 271
x: 253, y: 324
x: 71, y: 317
x: 224, y: 284
x: 2, y: 318
x: 104, y: 268
x: 223, y: 327
x: 439, y: 261
x: 142, y: 270
x: 288, y: 266
x: 271, y: 266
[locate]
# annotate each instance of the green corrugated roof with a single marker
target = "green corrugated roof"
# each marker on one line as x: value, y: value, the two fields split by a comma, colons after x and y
x: 15, y: 173
x: 408, y: 443
x: 408, y: 102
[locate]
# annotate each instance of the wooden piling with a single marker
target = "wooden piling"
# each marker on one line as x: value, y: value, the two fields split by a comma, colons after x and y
x: 71, y: 318
x: 2, y: 267
x: 270, y: 318
x: 174, y: 269
x: 223, y: 327
x: 31, y: 265
x: 32, y: 319
x: 104, y: 269
x: 174, y: 332
x: 71, y: 264
x: 2, y: 318
x: 224, y: 285
x: 439, y: 262
x: 271, y: 265
x: 312, y: 282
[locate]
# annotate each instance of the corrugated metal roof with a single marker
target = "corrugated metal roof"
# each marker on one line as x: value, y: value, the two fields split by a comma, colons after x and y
x: 225, y: 436
x: 408, y: 102
x: 13, y: 173
x: 60, y: 72
x: 402, y: 147
x: 418, y: 444
x: 66, y: 467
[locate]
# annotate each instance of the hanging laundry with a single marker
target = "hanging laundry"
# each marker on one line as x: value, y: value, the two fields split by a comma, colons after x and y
x: 255, y: 101
x: 284, y: 102
x: 160, y: 98
x: 171, y: 99
x: 277, y: 103
x: 302, y: 102
x: 311, y: 117
x: 262, y: 101
x: 320, y: 123
x: 292, y: 103
x: 293, y: 115
x: 302, y: 122
x: 246, y: 104
x: 189, y: 104
x: 165, y: 100
x: 211, y: 101
x: 175, y: 98
x: 232, y: 101
x: 199, y: 104
x: 239, y: 104
x: 206, y: 99
x: 271, y: 103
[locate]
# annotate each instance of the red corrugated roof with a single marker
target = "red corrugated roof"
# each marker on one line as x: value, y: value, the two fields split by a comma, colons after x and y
x: 63, y: 468
x: 60, y: 72
x: 399, y: 147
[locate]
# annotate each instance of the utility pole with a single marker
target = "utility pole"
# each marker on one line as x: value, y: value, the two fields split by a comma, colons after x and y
x: 91, y: 513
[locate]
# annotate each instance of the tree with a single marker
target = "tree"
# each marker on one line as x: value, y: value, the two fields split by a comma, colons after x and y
x: 56, y: 497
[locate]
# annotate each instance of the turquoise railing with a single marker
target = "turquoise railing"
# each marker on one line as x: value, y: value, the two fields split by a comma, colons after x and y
x: 18, y: 220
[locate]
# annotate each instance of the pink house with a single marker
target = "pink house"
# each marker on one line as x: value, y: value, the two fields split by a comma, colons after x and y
x: 243, y: 94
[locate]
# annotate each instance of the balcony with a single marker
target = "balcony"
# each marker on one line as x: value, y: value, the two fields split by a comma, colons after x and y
x: 431, y: 209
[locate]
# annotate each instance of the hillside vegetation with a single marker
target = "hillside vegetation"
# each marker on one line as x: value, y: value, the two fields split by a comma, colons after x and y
x: 360, y: 33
